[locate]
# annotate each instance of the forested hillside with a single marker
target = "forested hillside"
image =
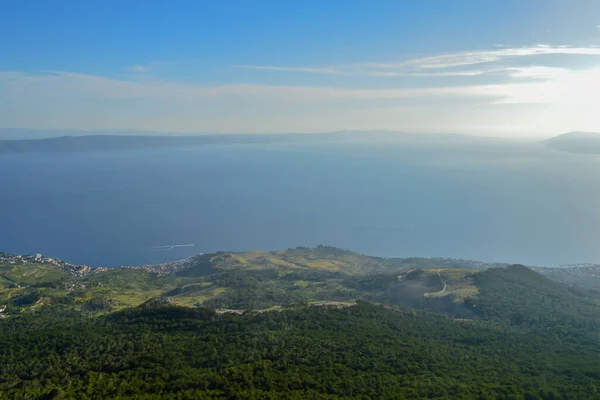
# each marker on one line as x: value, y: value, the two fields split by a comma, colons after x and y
x: 303, y: 323
x: 359, y: 352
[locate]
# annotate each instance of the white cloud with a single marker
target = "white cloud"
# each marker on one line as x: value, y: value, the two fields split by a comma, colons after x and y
x: 354, y: 71
x: 324, y: 70
x: 555, y: 85
x: 140, y: 68
x: 516, y: 94
x: 467, y: 58
x: 537, y: 72
x: 473, y: 72
x: 415, y: 66
x: 67, y: 85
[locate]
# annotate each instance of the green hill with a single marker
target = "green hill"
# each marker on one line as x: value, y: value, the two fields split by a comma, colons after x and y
x: 319, y: 323
x: 517, y: 295
x: 259, y: 280
x: 249, y: 280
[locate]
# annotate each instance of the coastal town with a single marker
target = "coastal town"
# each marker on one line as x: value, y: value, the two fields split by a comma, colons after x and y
x: 78, y: 270
x: 572, y: 273
x: 159, y: 269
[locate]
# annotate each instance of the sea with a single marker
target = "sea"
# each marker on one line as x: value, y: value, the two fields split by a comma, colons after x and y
x: 494, y: 200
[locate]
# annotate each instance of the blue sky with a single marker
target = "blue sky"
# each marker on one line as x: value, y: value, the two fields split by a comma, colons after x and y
x: 490, y: 67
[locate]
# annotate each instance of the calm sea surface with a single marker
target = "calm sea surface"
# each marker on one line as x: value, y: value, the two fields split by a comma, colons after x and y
x: 493, y: 202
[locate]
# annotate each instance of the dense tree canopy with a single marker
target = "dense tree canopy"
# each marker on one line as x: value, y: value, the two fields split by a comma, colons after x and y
x: 358, y: 352
x: 444, y: 332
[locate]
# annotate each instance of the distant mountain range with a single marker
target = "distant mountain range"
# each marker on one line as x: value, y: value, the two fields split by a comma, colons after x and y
x: 81, y: 141
x: 130, y: 142
x: 30, y: 134
x: 576, y: 142
x: 84, y: 141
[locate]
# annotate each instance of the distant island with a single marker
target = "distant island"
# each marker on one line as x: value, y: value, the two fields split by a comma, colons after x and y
x: 576, y: 142
x: 76, y: 142
x: 70, y: 144
x: 80, y: 142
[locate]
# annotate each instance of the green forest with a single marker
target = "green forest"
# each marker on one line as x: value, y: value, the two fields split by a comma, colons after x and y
x: 412, y: 333
x: 359, y: 352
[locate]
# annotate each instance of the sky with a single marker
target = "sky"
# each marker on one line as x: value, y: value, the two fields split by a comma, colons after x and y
x: 496, y: 67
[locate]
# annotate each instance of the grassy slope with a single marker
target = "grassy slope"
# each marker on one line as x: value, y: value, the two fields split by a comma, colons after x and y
x: 27, y: 274
x: 19, y: 280
x: 253, y: 279
x: 261, y: 280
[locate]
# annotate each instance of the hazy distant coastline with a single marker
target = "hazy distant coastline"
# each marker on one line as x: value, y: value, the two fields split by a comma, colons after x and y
x: 576, y: 142
x: 84, y: 141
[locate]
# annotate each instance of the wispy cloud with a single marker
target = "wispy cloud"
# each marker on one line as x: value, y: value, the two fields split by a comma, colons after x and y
x: 292, y: 69
x: 58, y: 84
x: 359, y: 70
x: 140, y: 68
x: 432, y: 65
x: 491, y: 81
x: 544, y: 85
x: 473, y: 72
x: 538, y: 72
x: 467, y: 58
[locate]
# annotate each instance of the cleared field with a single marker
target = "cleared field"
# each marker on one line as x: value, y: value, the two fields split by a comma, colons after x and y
x: 459, y: 283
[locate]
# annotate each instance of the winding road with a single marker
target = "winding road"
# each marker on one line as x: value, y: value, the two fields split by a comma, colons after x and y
x: 443, y: 281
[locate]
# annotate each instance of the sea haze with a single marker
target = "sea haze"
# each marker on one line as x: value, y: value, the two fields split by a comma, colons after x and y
x: 453, y: 197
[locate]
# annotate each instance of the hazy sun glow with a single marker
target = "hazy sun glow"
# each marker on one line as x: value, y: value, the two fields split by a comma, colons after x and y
x: 541, y: 81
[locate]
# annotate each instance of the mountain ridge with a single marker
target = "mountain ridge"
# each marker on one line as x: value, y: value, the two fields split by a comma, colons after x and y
x: 575, y: 142
x: 99, y: 141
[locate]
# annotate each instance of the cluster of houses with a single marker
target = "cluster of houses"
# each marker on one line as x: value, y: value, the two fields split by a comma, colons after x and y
x: 78, y: 270
x: 32, y: 258
x: 160, y: 269
x: 470, y: 264
x: 583, y: 270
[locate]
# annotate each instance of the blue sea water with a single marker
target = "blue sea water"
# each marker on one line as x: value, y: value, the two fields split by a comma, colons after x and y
x: 493, y: 202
